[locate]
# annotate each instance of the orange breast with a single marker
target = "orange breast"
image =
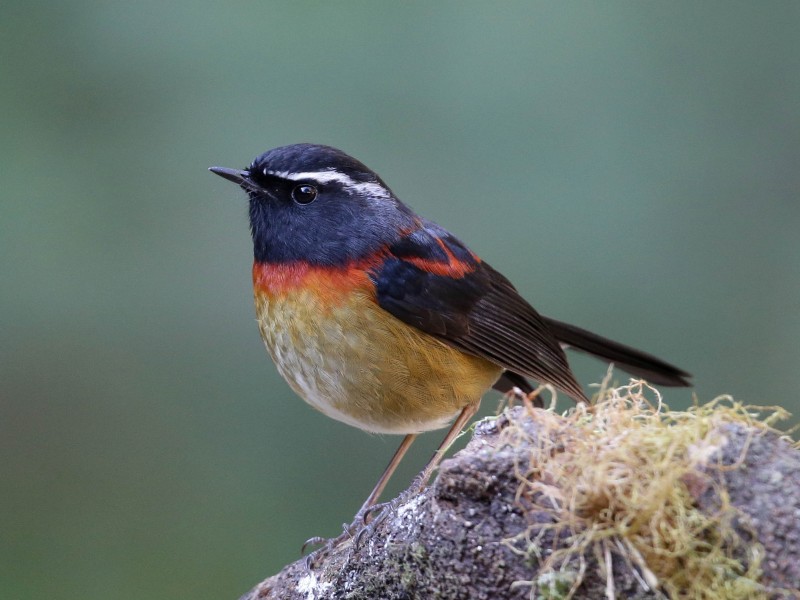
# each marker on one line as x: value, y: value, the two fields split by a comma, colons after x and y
x: 355, y: 362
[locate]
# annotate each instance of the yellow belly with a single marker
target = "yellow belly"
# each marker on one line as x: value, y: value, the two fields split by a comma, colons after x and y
x: 358, y: 364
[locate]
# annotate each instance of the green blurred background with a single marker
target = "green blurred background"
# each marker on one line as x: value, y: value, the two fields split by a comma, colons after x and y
x: 633, y: 167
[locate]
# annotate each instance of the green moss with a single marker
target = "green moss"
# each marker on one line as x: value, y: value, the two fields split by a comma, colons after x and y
x: 555, y: 585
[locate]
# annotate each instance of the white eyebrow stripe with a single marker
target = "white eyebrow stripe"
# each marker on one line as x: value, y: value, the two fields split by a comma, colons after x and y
x: 371, y: 188
x: 321, y: 176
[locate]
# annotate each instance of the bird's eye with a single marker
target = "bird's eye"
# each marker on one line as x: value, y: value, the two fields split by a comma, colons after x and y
x: 304, y: 193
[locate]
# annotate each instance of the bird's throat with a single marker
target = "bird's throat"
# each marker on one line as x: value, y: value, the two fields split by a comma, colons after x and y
x: 279, y: 279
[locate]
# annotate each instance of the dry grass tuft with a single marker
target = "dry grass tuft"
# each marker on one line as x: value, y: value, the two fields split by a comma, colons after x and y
x: 619, y: 479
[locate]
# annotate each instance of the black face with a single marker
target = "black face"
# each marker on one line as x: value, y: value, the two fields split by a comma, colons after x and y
x: 318, y: 205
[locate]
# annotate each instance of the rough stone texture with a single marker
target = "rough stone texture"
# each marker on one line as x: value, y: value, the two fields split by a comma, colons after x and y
x: 450, y: 541
x: 765, y: 486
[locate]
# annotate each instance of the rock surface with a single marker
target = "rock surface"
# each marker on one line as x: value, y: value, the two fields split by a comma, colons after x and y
x: 467, y: 535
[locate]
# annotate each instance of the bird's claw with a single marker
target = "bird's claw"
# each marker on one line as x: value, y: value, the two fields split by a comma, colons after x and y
x: 363, y: 524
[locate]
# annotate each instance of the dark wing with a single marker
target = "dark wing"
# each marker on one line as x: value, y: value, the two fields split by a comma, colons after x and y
x: 431, y: 281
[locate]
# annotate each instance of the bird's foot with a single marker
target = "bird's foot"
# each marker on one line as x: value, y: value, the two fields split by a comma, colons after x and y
x: 363, y: 525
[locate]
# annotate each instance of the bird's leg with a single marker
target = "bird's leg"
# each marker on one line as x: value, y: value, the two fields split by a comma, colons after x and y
x: 360, y: 522
x: 455, y: 429
x: 422, y: 479
x: 388, y: 472
x: 369, y: 506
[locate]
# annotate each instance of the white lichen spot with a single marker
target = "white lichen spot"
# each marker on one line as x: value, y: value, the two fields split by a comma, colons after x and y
x: 410, y: 506
x: 312, y: 588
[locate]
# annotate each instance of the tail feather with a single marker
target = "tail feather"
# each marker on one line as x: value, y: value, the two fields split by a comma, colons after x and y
x: 635, y: 362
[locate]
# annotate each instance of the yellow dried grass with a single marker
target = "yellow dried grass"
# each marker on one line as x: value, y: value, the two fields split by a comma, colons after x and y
x: 619, y: 478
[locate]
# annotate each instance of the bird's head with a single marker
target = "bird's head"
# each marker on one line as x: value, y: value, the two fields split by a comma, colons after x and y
x: 318, y: 205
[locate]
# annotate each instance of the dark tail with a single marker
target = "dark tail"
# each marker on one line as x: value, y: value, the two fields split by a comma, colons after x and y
x: 635, y: 362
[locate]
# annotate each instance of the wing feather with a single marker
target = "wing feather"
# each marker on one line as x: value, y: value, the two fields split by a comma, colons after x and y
x: 436, y: 284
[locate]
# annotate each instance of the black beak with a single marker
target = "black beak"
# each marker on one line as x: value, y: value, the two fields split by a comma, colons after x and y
x: 235, y: 175
x: 239, y: 177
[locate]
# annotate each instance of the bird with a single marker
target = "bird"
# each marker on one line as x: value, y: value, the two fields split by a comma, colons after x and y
x: 384, y: 320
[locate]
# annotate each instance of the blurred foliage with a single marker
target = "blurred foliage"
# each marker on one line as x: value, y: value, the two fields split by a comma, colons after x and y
x: 632, y: 167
